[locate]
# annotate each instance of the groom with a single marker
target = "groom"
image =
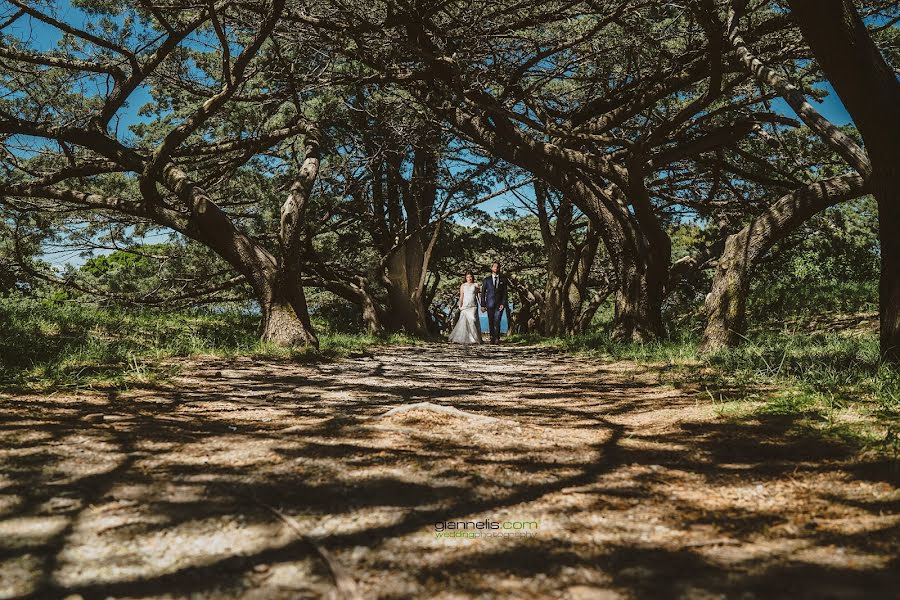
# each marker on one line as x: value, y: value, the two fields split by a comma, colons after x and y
x: 493, y: 300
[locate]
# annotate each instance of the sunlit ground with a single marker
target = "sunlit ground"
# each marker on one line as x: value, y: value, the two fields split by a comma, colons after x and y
x: 270, y: 480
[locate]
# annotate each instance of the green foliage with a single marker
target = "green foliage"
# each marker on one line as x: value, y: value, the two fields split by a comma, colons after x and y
x: 126, y: 272
x: 676, y: 349
x: 830, y: 265
x: 334, y: 315
x: 832, y: 382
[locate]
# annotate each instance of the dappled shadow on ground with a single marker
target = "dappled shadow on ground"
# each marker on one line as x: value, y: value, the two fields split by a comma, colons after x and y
x: 638, y: 490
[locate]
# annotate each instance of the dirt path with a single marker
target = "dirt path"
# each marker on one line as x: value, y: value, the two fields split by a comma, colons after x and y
x: 639, y: 490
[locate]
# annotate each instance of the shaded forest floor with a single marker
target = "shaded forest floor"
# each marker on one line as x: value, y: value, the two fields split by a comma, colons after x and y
x: 263, y: 479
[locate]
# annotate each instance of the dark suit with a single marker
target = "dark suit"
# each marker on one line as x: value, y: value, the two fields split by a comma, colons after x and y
x: 492, y: 298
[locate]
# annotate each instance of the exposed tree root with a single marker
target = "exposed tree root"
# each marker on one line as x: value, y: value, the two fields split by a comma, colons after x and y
x: 345, y: 586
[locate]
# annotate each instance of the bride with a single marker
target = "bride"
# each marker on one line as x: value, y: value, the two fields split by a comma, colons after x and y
x: 467, y: 330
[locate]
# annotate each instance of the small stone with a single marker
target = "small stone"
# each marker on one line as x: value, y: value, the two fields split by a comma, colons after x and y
x: 358, y: 553
x: 586, y: 592
x: 261, y: 568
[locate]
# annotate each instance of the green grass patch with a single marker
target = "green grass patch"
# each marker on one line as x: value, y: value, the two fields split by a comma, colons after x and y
x: 46, y: 344
x: 835, y: 384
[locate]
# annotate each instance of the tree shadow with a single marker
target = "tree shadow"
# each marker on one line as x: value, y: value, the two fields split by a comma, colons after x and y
x: 171, y: 492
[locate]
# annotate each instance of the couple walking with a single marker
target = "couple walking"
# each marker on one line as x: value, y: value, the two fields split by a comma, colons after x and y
x: 491, y: 295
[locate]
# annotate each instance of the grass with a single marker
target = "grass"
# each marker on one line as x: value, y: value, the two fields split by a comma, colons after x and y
x: 832, y: 383
x: 53, y: 345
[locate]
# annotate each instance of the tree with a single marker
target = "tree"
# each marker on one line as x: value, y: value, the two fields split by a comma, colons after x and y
x: 726, y: 303
x: 396, y: 178
x: 392, y: 183
x: 214, y: 112
x: 552, y: 263
x: 869, y: 89
x: 605, y: 102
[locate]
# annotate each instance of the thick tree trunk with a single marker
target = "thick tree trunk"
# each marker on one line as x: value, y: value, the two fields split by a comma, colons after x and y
x: 553, y: 310
x: 869, y: 89
x: 886, y: 188
x: 638, y: 301
x: 641, y: 268
x: 640, y: 264
x: 556, y: 237
x: 285, y: 316
x: 403, y: 209
x: 586, y: 316
x: 553, y: 318
x: 371, y: 315
x: 726, y: 303
x: 407, y: 310
x: 651, y: 246
x: 578, y: 298
x: 285, y: 313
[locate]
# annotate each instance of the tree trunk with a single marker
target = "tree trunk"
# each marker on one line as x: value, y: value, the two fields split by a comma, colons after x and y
x: 583, y: 322
x: 640, y: 266
x: 639, y: 297
x: 371, y: 315
x: 526, y: 317
x: 352, y: 289
x: 522, y: 319
x: 885, y: 187
x: 869, y: 89
x: 638, y: 301
x: 726, y: 302
x: 556, y: 241
x: 285, y: 317
x: 405, y: 293
x: 553, y: 318
x: 577, y: 300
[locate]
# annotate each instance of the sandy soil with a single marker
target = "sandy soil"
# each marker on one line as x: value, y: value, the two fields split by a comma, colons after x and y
x: 246, y: 479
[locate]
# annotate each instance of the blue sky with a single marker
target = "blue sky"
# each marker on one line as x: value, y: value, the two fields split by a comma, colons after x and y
x: 831, y: 108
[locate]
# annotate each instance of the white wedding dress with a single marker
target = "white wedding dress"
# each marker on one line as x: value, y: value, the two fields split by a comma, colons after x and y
x: 468, y: 330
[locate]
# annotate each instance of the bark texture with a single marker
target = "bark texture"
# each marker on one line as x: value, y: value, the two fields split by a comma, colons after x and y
x: 285, y: 314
